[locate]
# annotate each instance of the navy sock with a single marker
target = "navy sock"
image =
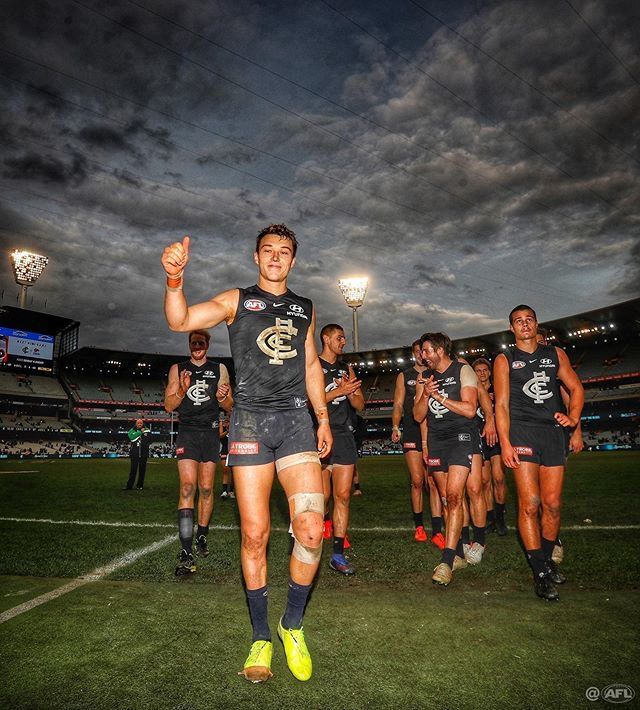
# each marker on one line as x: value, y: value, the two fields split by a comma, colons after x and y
x: 418, y: 520
x: 491, y: 516
x: 356, y: 486
x: 202, y: 530
x: 459, y: 549
x: 478, y: 535
x: 436, y: 525
x: 185, y: 527
x: 258, y: 600
x: 338, y: 546
x: 225, y: 487
x: 558, y: 542
x: 500, y: 510
x: 466, y: 538
x: 296, y: 601
x: 448, y: 555
x: 537, y: 562
x: 547, y: 547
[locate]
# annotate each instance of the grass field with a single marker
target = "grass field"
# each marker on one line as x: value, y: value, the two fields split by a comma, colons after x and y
x: 138, y: 637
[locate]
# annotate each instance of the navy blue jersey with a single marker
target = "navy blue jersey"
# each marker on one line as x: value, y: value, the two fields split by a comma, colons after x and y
x: 441, y: 420
x: 410, y: 375
x: 200, y: 409
x: 534, y: 393
x: 267, y: 339
x: 341, y: 413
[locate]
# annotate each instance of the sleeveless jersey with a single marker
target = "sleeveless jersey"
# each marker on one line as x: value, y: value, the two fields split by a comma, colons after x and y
x: 410, y: 376
x: 341, y: 413
x: 441, y: 420
x: 200, y: 409
x: 267, y: 339
x: 534, y: 393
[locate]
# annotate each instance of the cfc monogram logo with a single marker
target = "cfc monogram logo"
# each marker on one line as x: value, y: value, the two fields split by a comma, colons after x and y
x: 273, y: 341
x: 536, y: 388
x: 436, y: 407
x: 199, y: 393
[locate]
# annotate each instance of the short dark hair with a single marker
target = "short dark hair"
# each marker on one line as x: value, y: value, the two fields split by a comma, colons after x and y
x: 521, y: 307
x: 280, y: 230
x: 204, y: 333
x: 416, y: 342
x: 329, y: 329
x: 543, y: 332
x: 481, y: 361
x: 438, y: 340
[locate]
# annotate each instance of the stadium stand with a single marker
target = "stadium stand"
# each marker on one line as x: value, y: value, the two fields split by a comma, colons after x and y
x: 89, y: 407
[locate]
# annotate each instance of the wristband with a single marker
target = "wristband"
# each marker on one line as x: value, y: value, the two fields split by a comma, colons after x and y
x: 174, y: 283
x: 175, y: 394
x: 324, y: 419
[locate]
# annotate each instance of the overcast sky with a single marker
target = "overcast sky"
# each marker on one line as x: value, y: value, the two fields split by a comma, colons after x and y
x: 466, y: 156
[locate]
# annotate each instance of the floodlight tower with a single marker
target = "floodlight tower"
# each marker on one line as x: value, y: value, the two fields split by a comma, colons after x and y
x: 354, y: 290
x: 27, y: 269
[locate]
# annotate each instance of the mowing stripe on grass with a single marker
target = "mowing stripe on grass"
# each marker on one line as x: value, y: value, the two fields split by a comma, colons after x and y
x: 94, y: 576
x: 118, y: 524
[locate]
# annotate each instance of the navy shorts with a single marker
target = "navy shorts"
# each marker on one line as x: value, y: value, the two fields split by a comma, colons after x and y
x: 198, y: 445
x: 488, y: 452
x: 450, y: 450
x: 411, y: 437
x: 544, y: 445
x: 256, y: 438
x: 344, y: 451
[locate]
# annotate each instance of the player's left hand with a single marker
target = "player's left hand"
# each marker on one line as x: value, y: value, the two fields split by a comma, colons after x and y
x: 489, y: 432
x: 325, y: 439
x: 576, y: 442
x: 565, y: 419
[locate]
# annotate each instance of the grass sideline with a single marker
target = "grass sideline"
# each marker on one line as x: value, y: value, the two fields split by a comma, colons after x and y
x: 386, y: 638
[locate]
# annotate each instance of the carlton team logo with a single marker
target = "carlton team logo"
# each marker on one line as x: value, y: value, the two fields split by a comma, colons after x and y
x: 536, y: 388
x: 255, y: 304
x: 198, y: 393
x: 273, y: 341
x: 437, y: 408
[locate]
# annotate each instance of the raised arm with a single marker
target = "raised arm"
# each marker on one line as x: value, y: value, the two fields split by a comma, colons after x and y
x: 315, y: 390
x: 180, y: 316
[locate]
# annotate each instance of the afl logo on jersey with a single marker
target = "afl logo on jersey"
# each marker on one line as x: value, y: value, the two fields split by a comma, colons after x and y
x: 411, y: 383
x: 518, y: 364
x: 254, y: 304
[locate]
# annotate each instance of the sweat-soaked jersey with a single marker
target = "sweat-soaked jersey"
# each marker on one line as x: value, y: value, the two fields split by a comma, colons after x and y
x: 534, y: 393
x: 267, y: 339
x: 200, y: 409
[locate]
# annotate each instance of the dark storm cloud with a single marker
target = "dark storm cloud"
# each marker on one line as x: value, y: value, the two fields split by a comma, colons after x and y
x: 47, y: 169
x: 453, y: 213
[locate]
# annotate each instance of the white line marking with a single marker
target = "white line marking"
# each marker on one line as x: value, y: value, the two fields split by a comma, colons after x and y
x: 94, y: 576
x: 118, y: 524
x: 21, y: 470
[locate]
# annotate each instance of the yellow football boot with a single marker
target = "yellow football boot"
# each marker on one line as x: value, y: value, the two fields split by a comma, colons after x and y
x: 296, y: 651
x: 257, y: 667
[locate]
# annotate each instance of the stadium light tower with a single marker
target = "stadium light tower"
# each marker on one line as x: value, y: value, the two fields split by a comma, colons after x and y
x: 354, y: 290
x: 27, y: 269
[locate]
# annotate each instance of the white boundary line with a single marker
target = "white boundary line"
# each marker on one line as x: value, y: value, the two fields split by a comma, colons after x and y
x: 117, y: 524
x: 21, y: 470
x: 94, y: 576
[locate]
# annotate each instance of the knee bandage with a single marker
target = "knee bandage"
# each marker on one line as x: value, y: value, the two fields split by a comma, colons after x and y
x: 300, y: 503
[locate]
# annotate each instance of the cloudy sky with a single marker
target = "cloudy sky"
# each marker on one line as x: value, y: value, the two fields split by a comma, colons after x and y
x: 466, y: 156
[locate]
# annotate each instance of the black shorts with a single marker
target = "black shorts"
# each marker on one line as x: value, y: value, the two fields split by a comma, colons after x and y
x: 544, y: 445
x: 198, y: 445
x: 450, y: 450
x: 476, y: 440
x: 224, y: 447
x: 488, y: 452
x: 411, y: 437
x: 256, y: 438
x: 344, y: 451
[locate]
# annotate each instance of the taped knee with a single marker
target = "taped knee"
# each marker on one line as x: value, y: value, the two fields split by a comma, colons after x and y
x: 306, y: 555
x: 300, y: 503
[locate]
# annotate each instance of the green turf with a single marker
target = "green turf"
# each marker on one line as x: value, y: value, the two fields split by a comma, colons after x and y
x: 387, y: 638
